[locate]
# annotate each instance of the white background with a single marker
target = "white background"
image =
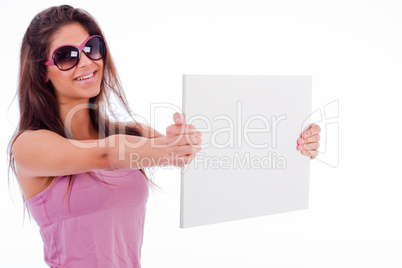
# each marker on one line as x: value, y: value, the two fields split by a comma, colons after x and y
x: 353, y: 51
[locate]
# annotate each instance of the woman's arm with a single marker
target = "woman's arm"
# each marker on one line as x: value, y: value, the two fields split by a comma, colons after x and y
x: 133, y: 152
x: 178, y: 147
x: 44, y: 153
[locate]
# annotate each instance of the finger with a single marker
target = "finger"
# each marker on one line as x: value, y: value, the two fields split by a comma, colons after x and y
x: 313, y: 130
x: 313, y: 145
x: 183, y: 140
x: 198, y: 134
x: 178, y: 118
x: 304, y: 152
x: 184, y: 160
x: 175, y: 130
x: 186, y: 139
x: 183, y: 150
x: 193, y: 139
x: 300, y: 147
x: 313, y: 154
x: 314, y: 138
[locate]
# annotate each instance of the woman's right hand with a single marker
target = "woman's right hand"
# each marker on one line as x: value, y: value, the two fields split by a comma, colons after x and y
x: 182, y: 141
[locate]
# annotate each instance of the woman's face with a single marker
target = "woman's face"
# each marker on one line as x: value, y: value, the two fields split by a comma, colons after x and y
x: 70, y: 85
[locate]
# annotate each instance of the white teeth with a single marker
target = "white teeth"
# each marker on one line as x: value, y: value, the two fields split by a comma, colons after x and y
x: 85, y: 77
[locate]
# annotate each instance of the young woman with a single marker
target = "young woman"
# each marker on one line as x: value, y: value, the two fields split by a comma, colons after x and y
x: 74, y: 165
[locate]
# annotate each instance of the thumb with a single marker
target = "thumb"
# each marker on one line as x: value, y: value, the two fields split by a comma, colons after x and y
x: 178, y: 118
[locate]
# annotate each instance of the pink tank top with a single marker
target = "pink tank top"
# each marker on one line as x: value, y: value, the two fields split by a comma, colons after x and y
x: 103, y: 224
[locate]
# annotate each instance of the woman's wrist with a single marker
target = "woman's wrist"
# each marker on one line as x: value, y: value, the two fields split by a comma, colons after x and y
x: 133, y: 152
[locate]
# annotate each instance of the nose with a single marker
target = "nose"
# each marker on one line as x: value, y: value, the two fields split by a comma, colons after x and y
x: 84, y: 60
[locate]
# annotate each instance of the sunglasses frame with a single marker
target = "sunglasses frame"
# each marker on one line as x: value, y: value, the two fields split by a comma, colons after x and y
x: 80, y: 48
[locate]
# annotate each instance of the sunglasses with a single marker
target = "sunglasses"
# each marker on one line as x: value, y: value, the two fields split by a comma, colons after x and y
x: 67, y: 57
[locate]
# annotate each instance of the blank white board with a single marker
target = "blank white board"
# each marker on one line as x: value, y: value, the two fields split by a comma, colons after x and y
x: 249, y: 165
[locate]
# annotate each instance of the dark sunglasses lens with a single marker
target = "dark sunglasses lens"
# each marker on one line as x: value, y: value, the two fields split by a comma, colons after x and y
x: 66, y: 57
x: 94, y: 48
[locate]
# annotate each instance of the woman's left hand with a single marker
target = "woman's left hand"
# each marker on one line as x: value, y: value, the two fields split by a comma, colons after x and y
x: 308, y: 143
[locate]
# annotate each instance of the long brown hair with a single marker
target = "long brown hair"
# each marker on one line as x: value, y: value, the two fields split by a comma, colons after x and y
x: 38, y: 105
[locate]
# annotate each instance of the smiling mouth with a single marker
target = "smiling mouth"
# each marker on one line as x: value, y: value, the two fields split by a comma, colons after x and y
x: 85, y: 77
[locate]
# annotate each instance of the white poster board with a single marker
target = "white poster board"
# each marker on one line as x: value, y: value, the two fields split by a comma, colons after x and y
x: 249, y: 165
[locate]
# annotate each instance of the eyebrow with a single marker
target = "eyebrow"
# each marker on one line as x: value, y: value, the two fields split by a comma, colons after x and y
x: 86, y: 39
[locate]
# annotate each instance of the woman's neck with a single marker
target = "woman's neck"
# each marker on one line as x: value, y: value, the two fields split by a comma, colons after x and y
x: 77, y: 121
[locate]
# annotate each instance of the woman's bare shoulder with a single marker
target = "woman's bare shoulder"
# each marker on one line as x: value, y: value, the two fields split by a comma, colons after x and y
x: 35, y: 132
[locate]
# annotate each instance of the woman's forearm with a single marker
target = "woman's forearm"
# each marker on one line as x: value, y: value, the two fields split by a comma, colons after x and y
x: 133, y: 152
